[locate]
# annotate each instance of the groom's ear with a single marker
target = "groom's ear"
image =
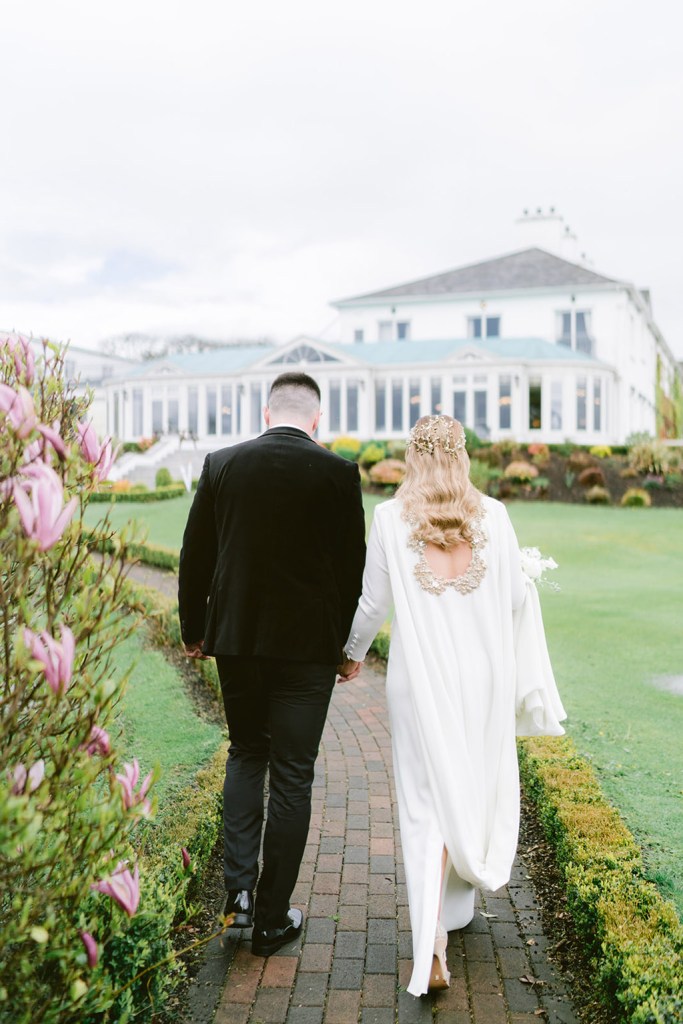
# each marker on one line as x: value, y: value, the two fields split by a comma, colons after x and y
x: 266, y: 415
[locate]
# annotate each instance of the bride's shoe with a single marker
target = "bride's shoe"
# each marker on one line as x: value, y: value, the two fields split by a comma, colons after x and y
x: 440, y: 976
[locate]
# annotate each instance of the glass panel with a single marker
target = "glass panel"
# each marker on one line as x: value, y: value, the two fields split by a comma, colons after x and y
x: 556, y: 405
x: 505, y: 402
x: 534, y: 405
x: 436, y: 396
x: 564, y: 335
x: 413, y: 401
x: 226, y: 409
x: 385, y: 330
x: 581, y: 385
x: 474, y: 327
x: 157, y: 417
x: 584, y: 342
x: 397, y: 405
x: 480, y: 417
x: 597, y: 404
x: 380, y: 405
x: 335, y: 405
x: 211, y: 402
x: 352, y: 406
x: 459, y: 406
x: 117, y: 414
x: 492, y: 326
x: 137, y: 412
x: 403, y: 330
x: 193, y: 411
x: 359, y: 334
x: 173, y: 415
x: 304, y: 354
x: 255, y: 417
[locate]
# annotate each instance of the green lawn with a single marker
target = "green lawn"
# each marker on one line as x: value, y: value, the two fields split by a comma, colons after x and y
x: 613, y: 628
x: 159, y: 724
x: 163, y: 520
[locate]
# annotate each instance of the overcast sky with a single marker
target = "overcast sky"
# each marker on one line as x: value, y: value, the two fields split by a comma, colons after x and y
x: 229, y: 168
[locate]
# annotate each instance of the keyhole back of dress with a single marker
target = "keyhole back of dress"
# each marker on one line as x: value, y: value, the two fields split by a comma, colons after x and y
x: 448, y: 563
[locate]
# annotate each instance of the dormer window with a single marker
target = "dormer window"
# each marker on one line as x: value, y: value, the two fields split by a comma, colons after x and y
x: 483, y: 326
x: 393, y: 330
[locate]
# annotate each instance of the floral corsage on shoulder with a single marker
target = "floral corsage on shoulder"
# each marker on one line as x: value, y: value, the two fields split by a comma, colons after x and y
x: 534, y: 566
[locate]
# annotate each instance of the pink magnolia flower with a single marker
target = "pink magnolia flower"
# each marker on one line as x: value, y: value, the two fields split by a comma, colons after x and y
x: 90, y: 948
x: 122, y: 887
x: 128, y: 781
x: 57, y: 659
x: 187, y: 860
x: 27, y: 781
x: 98, y: 742
x: 18, y: 407
x: 54, y: 438
x: 100, y: 455
x: 21, y: 350
x: 43, y: 514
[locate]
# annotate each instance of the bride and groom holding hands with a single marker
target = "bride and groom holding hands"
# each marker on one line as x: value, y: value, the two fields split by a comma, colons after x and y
x: 276, y: 585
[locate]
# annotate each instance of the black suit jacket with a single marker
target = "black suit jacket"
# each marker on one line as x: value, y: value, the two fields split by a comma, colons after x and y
x: 273, y: 551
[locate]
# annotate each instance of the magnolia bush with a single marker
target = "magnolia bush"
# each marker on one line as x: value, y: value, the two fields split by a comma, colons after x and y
x: 70, y: 897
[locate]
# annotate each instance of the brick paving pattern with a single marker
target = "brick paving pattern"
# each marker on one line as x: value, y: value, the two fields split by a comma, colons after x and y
x: 353, y: 960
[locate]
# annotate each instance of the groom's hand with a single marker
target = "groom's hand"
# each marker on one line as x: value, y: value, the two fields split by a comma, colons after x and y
x: 195, y: 651
x: 348, y: 670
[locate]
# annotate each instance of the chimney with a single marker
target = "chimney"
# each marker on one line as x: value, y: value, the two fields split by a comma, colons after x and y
x: 546, y: 229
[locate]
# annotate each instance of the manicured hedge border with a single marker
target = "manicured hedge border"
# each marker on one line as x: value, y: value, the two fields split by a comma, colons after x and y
x: 632, y: 933
x: 160, y: 494
x: 150, y: 554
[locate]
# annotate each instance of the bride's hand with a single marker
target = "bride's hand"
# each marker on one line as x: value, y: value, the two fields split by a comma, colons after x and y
x: 348, y: 670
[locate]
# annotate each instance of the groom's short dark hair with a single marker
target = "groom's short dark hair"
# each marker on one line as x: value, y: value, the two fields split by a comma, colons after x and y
x: 295, y: 380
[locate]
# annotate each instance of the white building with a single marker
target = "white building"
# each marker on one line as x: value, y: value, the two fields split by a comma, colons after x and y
x: 527, y: 346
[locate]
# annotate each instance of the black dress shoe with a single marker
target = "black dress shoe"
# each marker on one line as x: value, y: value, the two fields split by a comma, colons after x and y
x: 269, y: 940
x: 239, y: 902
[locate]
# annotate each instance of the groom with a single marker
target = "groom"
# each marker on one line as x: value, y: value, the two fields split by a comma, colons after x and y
x: 270, y: 574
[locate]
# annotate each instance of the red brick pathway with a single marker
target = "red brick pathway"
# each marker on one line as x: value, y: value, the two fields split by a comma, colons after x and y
x: 353, y: 961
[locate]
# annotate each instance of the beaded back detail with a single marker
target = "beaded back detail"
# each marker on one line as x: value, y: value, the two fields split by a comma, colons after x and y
x: 467, y: 581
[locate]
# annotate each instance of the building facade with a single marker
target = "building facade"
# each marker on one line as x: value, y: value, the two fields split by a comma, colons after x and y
x: 527, y: 346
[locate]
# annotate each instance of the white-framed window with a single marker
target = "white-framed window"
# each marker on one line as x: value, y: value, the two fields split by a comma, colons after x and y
x: 481, y: 426
x: 335, y: 405
x: 535, y: 403
x: 255, y: 405
x: 435, y: 390
x: 385, y: 330
x: 226, y: 408
x: 193, y: 411
x: 172, y: 415
x: 359, y: 335
x: 397, y: 405
x: 403, y: 330
x: 597, y: 403
x: 413, y: 401
x: 380, y: 405
x: 483, y: 327
x: 573, y: 330
x: 352, y: 405
x: 556, y: 405
x: 505, y: 401
x: 211, y: 410
x: 460, y: 399
x: 581, y: 403
x: 137, y: 412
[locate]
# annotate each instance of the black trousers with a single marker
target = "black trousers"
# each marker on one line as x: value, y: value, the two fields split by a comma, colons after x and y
x: 275, y: 711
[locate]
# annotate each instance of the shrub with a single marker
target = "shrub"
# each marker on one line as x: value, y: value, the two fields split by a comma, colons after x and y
x: 628, y: 473
x: 598, y: 496
x: 652, y: 457
x: 521, y: 472
x: 564, y: 449
x: 396, y: 450
x: 632, y: 935
x: 472, y: 440
x: 579, y: 459
x: 569, y: 478
x: 347, y: 447
x: 71, y: 898
x: 673, y: 479
x: 540, y: 484
x: 389, y: 472
x: 479, y: 475
x: 507, y: 447
x: 600, y: 451
x: 142, y: 496
x: 120, y: 486
x: 592, y: 476
x: 491, y: 456
x: 139, y: 488
x: 636, y: 497
x: 654, y: 483
x: 372, y: 452
x: 163, y: 477
x: 539, y: 452
x: 364, y: 476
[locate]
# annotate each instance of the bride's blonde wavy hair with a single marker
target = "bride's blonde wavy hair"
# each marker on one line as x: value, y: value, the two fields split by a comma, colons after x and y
x: 437, y: 496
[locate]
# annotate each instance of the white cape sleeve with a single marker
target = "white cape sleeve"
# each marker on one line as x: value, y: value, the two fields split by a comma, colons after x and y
x: 538, y: 706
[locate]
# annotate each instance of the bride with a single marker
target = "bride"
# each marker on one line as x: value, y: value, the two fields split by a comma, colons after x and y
x: 468, y: 670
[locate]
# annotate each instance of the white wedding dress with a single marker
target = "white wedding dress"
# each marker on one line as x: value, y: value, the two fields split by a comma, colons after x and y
x: 468, y: 669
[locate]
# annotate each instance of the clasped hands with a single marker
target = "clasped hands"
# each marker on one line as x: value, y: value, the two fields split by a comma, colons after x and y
x: 348, y: 670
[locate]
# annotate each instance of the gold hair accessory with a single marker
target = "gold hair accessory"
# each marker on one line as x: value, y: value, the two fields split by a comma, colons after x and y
x: 425, y: 437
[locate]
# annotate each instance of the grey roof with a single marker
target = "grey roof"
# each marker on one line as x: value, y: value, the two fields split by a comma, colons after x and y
x: 530, y: 268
